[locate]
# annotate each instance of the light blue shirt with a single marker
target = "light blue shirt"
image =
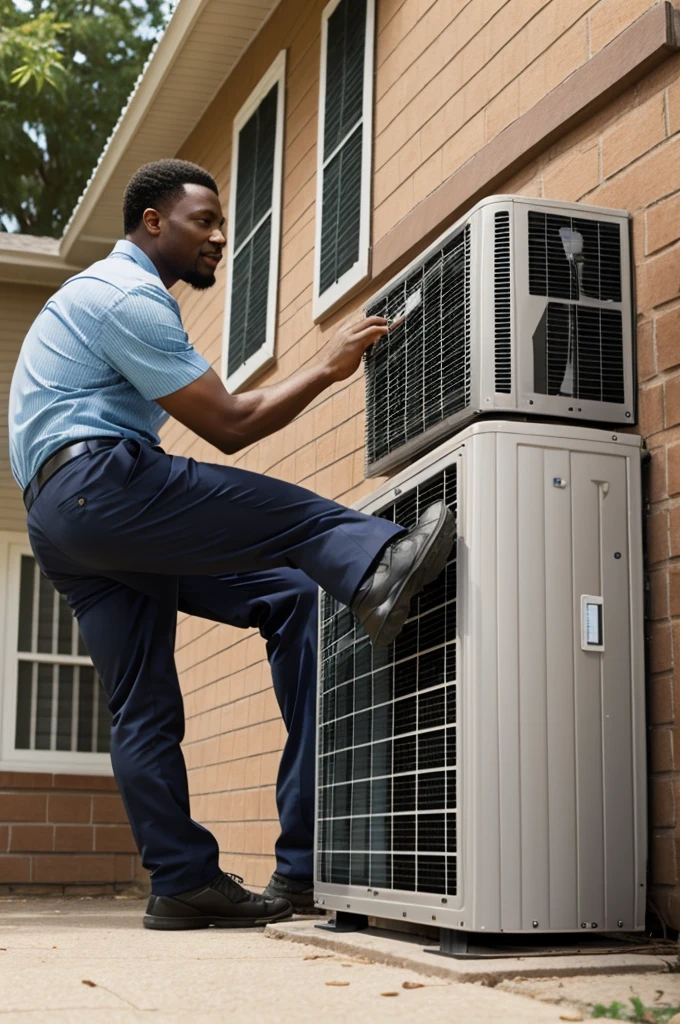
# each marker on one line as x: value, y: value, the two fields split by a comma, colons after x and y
x: 107, y: 344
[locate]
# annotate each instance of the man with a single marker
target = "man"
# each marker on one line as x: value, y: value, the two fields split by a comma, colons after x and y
x: 130, y: 534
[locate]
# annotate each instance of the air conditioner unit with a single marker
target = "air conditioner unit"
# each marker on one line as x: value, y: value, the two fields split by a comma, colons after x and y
x: 522, y: 307
x: 486, y: 772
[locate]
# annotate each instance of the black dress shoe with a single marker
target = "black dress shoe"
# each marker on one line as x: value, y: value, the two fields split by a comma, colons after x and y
x: 300, y: 894
x: 224, y: 903
x: 382, y: 600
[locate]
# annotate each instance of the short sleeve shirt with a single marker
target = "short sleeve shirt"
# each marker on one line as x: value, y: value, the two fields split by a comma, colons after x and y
x: 100, y: 352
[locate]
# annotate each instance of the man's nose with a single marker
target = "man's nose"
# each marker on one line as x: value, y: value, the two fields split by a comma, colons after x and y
x: 218, y: 238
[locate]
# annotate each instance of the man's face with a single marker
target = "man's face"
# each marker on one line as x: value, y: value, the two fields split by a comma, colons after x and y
x: 191, y: 241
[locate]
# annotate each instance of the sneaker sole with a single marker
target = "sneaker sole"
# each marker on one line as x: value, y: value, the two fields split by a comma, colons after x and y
x: 175, y: 924
x: 432, y: 563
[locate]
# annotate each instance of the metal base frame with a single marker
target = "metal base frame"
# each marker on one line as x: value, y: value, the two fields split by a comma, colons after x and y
x: 463, y: 945
x: 345, y: 922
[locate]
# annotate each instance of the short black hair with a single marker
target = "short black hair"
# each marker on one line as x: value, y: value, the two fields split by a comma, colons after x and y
x: 157, y: 182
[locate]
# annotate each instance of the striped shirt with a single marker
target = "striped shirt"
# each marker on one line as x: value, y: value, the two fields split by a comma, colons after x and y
x: 107, y: 344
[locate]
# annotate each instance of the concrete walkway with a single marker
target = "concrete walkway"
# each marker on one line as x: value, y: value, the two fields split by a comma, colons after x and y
x: 90, y: 961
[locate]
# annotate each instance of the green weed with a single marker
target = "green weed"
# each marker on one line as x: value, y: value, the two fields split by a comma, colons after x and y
x: 639, y: 1012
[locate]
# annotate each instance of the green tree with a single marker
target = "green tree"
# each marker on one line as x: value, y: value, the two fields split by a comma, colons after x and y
x: 67, y: 68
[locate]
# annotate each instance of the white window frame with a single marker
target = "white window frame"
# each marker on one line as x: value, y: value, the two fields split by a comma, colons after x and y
x: 64, y: 762
x: 357, y: 275
x: 264, y: 356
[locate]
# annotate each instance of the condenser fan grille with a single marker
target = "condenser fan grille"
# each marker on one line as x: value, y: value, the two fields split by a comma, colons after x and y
x: 593, y: 273
x: 578, y: 352
x: 420, y: 373
x: 387, y: 736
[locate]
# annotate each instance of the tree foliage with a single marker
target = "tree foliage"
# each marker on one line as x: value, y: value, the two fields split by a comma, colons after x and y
x: 67, y: 68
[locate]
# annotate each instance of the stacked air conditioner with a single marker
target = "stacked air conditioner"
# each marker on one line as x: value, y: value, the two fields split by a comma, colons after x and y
x: 486, y: 772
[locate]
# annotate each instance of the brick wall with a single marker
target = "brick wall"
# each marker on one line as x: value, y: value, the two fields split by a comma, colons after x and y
x: 64, y: 833
x: 449, y: 77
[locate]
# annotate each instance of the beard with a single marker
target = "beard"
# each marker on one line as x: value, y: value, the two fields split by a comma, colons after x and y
x: 198, y: 281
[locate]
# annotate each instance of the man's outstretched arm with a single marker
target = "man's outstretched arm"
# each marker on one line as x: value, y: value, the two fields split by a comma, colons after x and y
x: 231, y: 422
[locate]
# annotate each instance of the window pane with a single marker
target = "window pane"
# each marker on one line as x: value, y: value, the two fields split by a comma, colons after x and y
x: 43, y: 718
x: 26, y: 603
x: 255, y: 173
x: 344, y: 71
x: 250, y: 286
x: 45, y: 616
x: 22, y: 735
x: 341, y: 212
x: 65, y: 709
x: 65, y: 627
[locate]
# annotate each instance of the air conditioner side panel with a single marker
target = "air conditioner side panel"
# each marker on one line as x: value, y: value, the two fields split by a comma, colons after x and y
x: 554, y: 773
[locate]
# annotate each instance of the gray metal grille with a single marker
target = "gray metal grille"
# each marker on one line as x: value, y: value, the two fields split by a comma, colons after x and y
x: 597, y: 275
x: 578, y: 352
x: 503, y: 332
x: 387, y: 736
x: 419, y: 375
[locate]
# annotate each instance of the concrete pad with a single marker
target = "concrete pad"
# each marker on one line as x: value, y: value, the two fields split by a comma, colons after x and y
x: 88, y: 961
x: 407, y: 951
x: 659, y: 991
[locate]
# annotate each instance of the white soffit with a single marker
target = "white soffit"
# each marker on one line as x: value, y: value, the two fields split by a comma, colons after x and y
x: 200, y: 47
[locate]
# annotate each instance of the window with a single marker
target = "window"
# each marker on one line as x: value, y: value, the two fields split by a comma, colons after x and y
x: 344, y: 151
x: 55, y: 714
x: 254, y: 230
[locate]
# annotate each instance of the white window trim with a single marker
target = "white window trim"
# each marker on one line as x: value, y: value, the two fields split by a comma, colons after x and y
x: 264, y: 356
x: 357, y: 275
x: 63, y: 762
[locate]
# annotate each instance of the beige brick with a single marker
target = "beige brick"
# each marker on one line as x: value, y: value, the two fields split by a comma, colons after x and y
x: 663, y: 224
x: 661, y: 750
x: 657, y: 537
x: 668, y: 340
x: 660, y: 707
x: 611, y: 17
x: 658, y: 486
x: 673, y: 458
x: 658, y: 279
x: 672, y: 401
x: 633, y: 135
x: 662, y: 861
x: 646, y: 365
x: 644, y: 182
x: 662, y: 803
x: 573, y: 175
x: 73, y: 867
x: 659, y: 593
x: 674, y: 531
x: 660, y: 647
x: 650, y: 409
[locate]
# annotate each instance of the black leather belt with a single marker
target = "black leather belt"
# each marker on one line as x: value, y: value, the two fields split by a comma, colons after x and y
x: 64, y: 455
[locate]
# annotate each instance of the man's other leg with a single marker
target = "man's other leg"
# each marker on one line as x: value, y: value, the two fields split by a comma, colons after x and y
x: 131, y: 639
x: 282, y: 604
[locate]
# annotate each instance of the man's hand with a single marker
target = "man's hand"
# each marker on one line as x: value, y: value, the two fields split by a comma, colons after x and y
x: 349, y: 343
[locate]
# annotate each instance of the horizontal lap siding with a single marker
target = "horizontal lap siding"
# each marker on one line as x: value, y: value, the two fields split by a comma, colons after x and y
x: 450, y: 75
x: 19, y: 306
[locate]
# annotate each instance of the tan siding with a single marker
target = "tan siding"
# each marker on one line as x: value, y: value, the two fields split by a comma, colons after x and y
x: 19, y: 305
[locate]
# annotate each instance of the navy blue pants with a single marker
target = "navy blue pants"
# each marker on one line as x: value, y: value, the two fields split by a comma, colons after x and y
x: 130, y: 536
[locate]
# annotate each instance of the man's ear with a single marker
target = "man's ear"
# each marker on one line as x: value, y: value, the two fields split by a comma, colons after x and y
x: 152, y: 221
